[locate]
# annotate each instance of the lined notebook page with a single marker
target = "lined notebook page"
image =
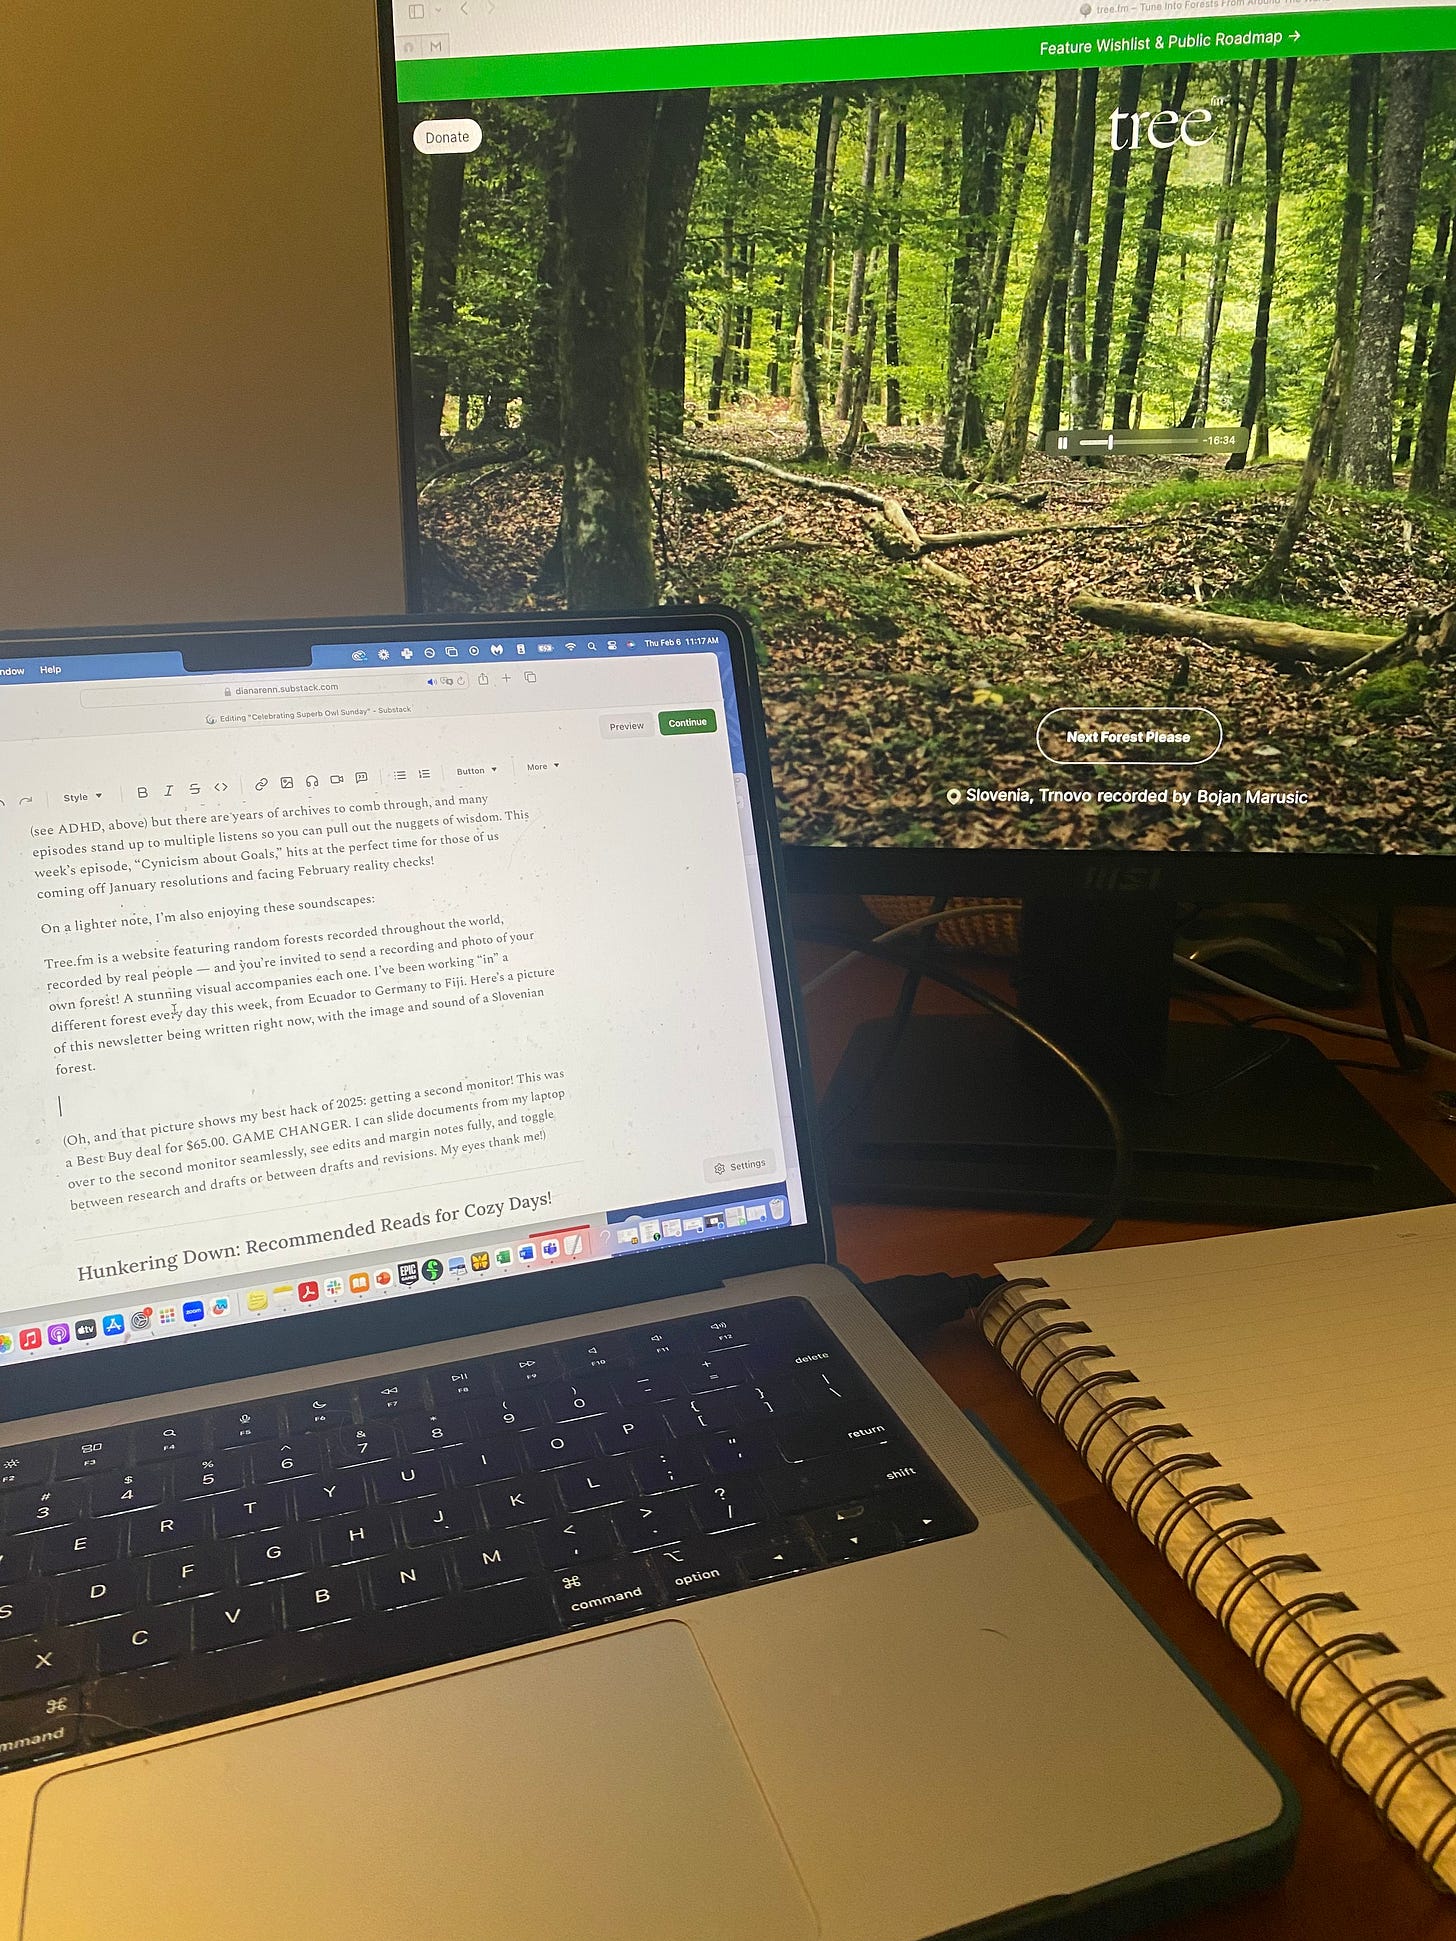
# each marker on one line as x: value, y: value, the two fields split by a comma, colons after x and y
x: 1319, y: 1365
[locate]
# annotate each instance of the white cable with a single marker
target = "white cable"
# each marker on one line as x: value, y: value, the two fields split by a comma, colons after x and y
x: 927, y: 922
x: 1340, y: 1025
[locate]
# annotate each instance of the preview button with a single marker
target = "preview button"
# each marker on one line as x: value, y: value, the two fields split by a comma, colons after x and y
x: 688, y: 721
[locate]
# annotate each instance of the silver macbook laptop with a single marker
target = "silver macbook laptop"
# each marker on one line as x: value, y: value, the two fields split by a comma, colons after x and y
x: 446, y: 1491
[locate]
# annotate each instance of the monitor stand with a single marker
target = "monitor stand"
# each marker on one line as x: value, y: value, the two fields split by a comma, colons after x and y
x: 1254, y: 1128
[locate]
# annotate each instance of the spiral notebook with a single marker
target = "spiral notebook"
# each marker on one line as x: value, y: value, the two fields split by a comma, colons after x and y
x: 1274, y: 1411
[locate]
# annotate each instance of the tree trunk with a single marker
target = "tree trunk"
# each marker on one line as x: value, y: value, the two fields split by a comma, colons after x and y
x: 854, y: 302
x: 1416, y: 372
x: 1084, y: 169
x: 1268, y: 582
x: 1005, y: 235
x: 969, y: 410
x: 1278, y: 641
x: 439, y: 269
x: 1129, y: 90
x: 1051, y: 249
x: 1429, y: 461
x: 541, y: 386
x: 814, y: 242
x: 1364, y: 73
x: 1278, y: 93
x: 1241, y: 115
x: 737, y: 143
x: 975, y: 145
x: 892, y: 277
x: 743, y: 320
x: 1145, y: 278
x: 861, y: 388
x: 1369, y: 409
x: 1061, y: 326
x: 677, y: 152
x: 606, y: 490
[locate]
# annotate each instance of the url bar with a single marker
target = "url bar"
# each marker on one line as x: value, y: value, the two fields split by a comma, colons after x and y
x: 155, y: 694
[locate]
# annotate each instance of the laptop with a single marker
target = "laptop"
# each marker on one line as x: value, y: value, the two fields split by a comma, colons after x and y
x: 446, y: 1487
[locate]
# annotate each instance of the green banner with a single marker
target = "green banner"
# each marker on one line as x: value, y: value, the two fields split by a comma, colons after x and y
x: 884, y: 57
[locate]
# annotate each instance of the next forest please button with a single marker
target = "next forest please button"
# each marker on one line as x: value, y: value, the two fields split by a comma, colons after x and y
x: 688, y: 721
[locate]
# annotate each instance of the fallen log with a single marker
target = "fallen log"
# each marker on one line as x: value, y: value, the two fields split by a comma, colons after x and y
x: 807, y: 481
x: 938, y: 542
x: 1280, y: 642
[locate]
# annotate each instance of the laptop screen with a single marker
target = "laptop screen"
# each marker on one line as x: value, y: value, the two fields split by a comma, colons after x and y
x: 437, y: 962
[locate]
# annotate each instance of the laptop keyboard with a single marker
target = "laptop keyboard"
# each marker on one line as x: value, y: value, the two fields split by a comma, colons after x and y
x: 204, y: 1564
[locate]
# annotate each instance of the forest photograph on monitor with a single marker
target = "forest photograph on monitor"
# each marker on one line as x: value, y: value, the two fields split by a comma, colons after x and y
x: 1077, y: 440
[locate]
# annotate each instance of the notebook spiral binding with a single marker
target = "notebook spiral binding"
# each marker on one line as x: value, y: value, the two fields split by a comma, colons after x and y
x: 1368, y: 1703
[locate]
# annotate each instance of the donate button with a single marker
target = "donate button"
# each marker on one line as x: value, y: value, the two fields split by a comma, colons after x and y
x: 447, y: 137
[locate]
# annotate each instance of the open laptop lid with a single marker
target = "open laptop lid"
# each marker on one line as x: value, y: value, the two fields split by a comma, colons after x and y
x: 373, y: 984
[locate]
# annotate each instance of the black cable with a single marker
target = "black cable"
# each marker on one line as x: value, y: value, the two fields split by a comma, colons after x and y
x: 1386, y: 987
x: 924, y: 946
x: 1110, y: 1210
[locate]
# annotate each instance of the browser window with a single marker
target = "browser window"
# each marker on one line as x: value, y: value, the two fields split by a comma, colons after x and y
x: 1062, y: 388
x: 435, y: 963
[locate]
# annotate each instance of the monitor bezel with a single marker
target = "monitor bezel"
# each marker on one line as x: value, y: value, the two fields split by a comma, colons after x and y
x: 130, y: 1370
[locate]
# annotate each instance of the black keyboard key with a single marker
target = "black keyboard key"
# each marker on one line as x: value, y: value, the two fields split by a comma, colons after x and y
x: 46, y: 1726
x: 701, y: 1568
x: 712, y: 1372
x: 325, y: 1597
x: 925, y: 1516
x: 23, y: 1467
x: 770, y: 1557
x: 494, y: 1460
x: 403, y: 1482
x: 462, y: 1381
x: 439, y: 1518
x: 624, y: 1434
x: 350, y: 1539
x: 574, y: 1401
x: 656, y: 1520
x: 145, y: 1638
x: 25, y: 1510
x: 593, y: 1485
x: 242, y: 1427
x: 235, y: 1618
x: 653, y: 1347
x: 22, y: 1609
x: 319, y: 1496
x: 597, y: 1355
x: 583, y: 1539
x: 34, y: 1664
x: 853, y: 1530
x: 498, y: 1559
x: 772, y: 1400
x: 197, y: 1476
x: 719, y: 1331
x: 657, y: 1470
x: 185, y: 1574
x: 127, y: 1490
x: 248, y: 1510
x: 714, y: 1411
x: 286, y: 1462
x: 85, y: 1455
x: 601, y: 1593
x: 175, y: 1526
x: 557, y: 1445
x: 379, y: 1400
x: 15, y: 1559
x: 351, y: 1448
x: 272, y: 1554
x: 813, y: 1485
x: 320, y: 1408
x: 80, y: 1546
x: 176, y: 1435
x: 529, y: 1499
x: 828, y: 1382
x: 289, y: 1665
x: 738, y: 1453
x: 643, y: 1389
x: 447, y: 1428
x: 413, y: 1579
x: 520, y: 1410
x: 531, y: 1368
x: 98, y: 1594
x: 727, y: 1506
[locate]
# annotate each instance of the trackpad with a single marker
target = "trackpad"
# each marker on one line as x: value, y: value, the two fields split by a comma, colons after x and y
x: 594, y: 1791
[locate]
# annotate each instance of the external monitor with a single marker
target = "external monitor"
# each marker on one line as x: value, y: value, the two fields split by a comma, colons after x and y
x: 1063, y: 391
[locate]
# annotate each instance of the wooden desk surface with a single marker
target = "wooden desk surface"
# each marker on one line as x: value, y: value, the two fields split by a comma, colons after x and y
x: 1350, y: 1878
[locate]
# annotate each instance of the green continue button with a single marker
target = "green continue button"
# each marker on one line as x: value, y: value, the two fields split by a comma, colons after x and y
x: 688, y: 721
